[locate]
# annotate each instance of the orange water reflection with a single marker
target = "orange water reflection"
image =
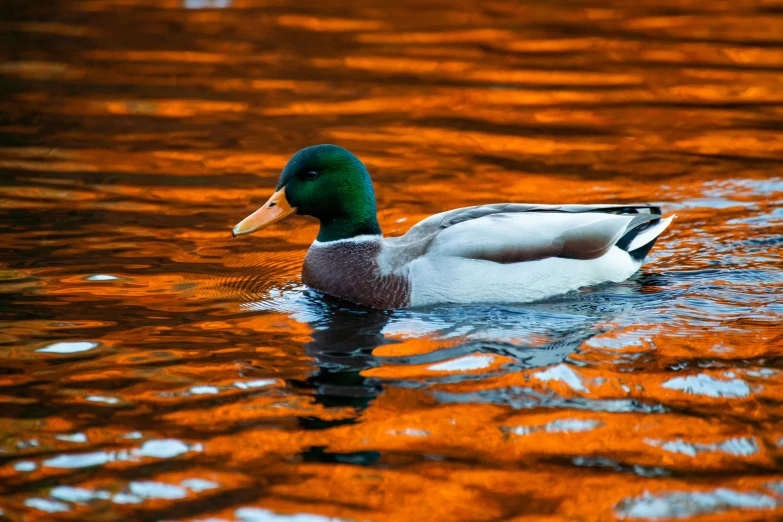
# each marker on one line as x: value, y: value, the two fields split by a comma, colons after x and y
x: 154, y: 368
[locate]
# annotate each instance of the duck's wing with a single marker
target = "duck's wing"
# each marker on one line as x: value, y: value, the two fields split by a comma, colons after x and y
x: 509, y: 233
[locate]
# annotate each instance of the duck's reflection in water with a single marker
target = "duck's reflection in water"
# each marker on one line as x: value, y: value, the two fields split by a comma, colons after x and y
x: 346, y: 340
x: 343, y: 339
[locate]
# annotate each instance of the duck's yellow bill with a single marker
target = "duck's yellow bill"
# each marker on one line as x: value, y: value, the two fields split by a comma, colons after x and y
x: 273, y: 211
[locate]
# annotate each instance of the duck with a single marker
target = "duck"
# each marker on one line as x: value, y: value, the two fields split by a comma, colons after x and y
x: 494, y: 253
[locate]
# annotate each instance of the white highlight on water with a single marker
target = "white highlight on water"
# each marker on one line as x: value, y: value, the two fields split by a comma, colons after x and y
x: 463, y: 364
x: 709, y: 386
x: 562, y: 373
x: 69, y: 347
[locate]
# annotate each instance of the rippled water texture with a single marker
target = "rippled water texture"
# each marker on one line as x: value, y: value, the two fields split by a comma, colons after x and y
x: 154, y: 368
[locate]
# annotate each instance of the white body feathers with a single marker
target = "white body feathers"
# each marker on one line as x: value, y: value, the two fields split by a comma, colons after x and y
x: 446, y: 279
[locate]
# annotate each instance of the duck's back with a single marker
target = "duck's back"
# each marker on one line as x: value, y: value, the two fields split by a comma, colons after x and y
x: 521, y: 253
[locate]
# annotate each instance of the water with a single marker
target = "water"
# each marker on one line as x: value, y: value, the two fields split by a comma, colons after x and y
x: 154, y: 368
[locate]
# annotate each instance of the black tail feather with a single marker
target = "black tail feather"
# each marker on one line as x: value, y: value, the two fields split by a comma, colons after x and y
x: 640, y: 253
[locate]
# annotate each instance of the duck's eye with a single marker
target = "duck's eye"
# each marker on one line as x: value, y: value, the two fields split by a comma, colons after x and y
x: 311, y: 175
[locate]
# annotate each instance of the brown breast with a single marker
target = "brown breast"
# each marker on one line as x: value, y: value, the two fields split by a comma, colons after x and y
x: 349, y: 270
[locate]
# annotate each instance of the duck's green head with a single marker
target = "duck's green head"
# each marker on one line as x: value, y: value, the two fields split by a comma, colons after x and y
x: 328, y: 183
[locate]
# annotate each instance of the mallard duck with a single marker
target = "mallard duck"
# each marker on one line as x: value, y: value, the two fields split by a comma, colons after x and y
x: 506, y: 252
